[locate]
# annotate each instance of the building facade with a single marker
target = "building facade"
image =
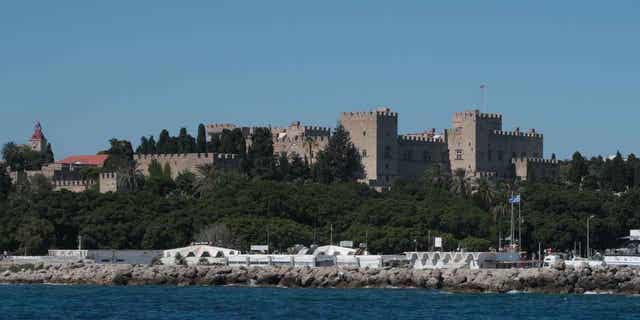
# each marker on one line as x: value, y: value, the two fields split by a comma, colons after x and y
x: 476, y: 144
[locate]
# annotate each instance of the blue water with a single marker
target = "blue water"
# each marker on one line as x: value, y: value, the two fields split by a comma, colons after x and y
x: 167, y: 302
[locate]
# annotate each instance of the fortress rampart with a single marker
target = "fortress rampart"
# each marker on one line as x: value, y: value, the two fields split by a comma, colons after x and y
x: 187, y: 162
x: 72, y: 185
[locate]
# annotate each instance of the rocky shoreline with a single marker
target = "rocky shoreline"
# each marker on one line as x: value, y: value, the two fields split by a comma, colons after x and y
x: 558, y: 280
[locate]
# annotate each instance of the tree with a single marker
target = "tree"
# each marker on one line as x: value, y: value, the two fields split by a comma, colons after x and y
x: 155, y: 169
x: 459, y: 184
x: 485, y: 193
x: 298, y: 168
x: 163, y: 145
x: 5, y: 182
x: 152, y: 146
x: 615, y: 173
x: 34, y: 235
x: 12, y: 155
x: 260, y: 156
x: 166, y: 171
x: 47, y: 156
x: 185, y: 183
x: 436, y: 178
x: 284, y: 168
x: 339, y: 161
x: 202, y: 139
x: 120, y: 155
x: 218, y: 235
x: 40, y: 184
x: 144, y: 146
x: 578, y: 169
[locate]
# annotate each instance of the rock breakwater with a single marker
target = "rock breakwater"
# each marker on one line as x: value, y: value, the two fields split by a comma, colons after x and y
x: 560, y: 280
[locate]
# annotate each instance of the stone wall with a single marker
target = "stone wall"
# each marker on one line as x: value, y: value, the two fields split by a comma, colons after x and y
x: 73, y: 185
x: 108, y: 182
x: 306, y: 141
x: 532, y: 169
x: 187, y: 162
x: 417, y: 154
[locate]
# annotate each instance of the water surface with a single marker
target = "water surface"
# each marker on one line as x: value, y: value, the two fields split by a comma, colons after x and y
x: 169, y: 302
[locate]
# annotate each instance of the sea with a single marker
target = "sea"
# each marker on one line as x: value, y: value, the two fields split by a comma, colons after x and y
x: 170, y: 302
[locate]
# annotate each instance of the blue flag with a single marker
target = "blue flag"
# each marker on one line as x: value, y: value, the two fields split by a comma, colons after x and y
x: 514, y: 199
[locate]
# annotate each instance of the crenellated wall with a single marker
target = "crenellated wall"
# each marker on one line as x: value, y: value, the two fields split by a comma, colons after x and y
x: 418, y: 153
x: 187, y: 162
x: 72, y: 185
x: 532, y: 169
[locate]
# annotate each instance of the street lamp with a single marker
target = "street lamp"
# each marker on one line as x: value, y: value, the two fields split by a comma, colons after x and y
x: 588, y: 247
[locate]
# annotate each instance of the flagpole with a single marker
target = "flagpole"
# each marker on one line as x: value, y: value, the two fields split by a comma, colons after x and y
x: 512, y: 235
x: 520, y: 224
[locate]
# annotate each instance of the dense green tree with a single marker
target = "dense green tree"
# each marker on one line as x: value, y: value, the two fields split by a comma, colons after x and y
x: 164, y: 144
x: 185, y: 183
x: 155, y: 169
x: 120, y: 155
x: 143, y: 148
x: 201, y: 140
x: 40, y: 184
x: 22, y: 157
x: 578, y: 169
x: 299, y: 168
x: 615, y: 173
x: 152, y: 148
x: 339, y: 161
x: 262, y: 163
x: 5, y: 182
x: 47, y: 155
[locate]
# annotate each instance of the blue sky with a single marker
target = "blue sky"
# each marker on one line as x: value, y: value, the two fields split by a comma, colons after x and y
x: 90, y: 70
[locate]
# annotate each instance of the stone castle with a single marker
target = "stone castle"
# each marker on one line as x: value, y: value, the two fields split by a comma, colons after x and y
x: 475, y: 145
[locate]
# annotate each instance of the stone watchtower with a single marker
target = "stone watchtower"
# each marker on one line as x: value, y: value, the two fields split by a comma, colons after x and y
x: 375, y: 134
x: 38, y: 142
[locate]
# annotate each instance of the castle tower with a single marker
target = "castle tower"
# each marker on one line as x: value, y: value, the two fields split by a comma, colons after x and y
x: 479, y: 146
x: 38, y: 142
x: 375, y: 135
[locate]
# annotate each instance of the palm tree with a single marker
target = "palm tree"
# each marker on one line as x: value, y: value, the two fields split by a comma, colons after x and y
x: 130, y: 178
x: 459, y: 183
x: 485, y: 192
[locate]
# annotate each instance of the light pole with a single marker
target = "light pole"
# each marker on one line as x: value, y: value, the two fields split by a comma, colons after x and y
x: 588, y: 247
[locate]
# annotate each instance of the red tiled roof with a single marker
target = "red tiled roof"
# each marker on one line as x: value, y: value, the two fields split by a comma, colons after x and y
x: 97, y: 160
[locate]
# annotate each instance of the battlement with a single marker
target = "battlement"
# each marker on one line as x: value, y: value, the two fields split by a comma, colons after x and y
x: 476, y: 114
x: 108, y: 175
x: 183, y: 156
x: 534, y: 161
x: 220, y: 126
x: 299, y: 138
x: 518, y: 133
x: 317, y: 131
x: 486, y: 174
x: 73, y: 183
x: 419, y: 139
x: 380, y: 112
